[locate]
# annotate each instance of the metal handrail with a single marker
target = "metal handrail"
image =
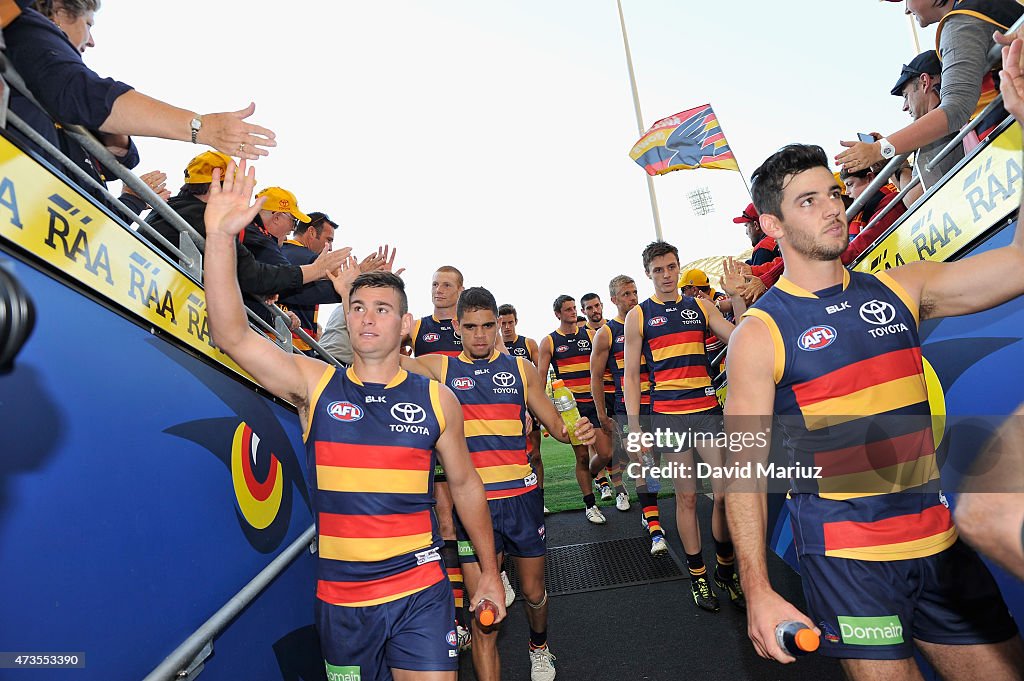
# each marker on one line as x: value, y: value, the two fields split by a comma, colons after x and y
x: 881, y: 179
x: 175, y: 664
x: 84, y: 177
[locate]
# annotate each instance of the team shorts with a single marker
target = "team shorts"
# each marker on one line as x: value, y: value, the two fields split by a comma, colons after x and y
x: 873, y: 610
x: 518, y: 527
x: 708, y: 423
x: 415, y: 632
x: 589, y: 411
x: 609, y: 404
x: 439, y: 475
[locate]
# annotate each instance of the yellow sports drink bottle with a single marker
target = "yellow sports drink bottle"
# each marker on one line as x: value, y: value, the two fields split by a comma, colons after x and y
x: 565, y: 403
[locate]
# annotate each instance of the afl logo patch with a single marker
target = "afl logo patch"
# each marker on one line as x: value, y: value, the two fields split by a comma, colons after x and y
x: 344, y: 411
x: 463, y: 383
x: 431, y: 337
x: 620, y: 339
x: 452, y: 638
x: 657, y: 321
x: 817, y: 338
x: 562, y: 348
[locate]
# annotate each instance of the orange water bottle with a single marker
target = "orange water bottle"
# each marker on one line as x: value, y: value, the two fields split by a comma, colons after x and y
x: 796, y: 638
x: 565, y: 403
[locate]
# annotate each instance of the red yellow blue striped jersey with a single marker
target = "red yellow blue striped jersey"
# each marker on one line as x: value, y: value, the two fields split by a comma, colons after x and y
x: 673, y: 344
x: 492, y: 392
x: 570, y: 358
x: 617, y: 366
x: 519, y: 348
x: 371, y: 462
x: 432, y: 336
x: 852, y: 399
x: 609, y: 380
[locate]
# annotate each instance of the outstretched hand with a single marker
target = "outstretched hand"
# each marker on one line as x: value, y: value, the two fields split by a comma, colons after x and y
x: 1011, y: 78
x: 732, y: 276
x: 343, y: 277
x: 227, y: 132
x: 229, y: 208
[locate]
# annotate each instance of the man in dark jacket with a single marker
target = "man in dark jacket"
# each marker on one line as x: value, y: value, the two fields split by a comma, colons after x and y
x: 257, y: 279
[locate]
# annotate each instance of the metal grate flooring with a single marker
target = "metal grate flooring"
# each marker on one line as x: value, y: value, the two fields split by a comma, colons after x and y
x: 602, y: 565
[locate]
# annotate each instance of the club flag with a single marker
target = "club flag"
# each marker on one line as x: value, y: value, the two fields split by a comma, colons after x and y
x: 691, y: 139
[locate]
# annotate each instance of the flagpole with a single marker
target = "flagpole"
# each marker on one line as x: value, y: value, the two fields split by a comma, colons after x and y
x: 639, y: 121
x: 913, y: 35
x: 736, y: 158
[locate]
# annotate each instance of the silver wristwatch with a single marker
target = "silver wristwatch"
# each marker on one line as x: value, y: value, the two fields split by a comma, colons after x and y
x: 196, y: 125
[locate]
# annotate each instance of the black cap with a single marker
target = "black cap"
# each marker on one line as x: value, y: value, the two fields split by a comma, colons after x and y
x: 926, y: 62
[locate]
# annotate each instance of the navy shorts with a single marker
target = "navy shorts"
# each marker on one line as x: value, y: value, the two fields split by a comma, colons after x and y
x: 874, y: 609
x: 609, y: 404
x: 518, y: 527
x: 698, y: 427
x: 589, y: 411
x: 416, y: 632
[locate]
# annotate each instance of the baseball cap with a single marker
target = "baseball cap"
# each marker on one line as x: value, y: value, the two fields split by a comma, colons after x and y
x: 282, y: 201
x: 749, y: 214
x: 926, y: 62
x: 694, y: 278
x: 200, y: 169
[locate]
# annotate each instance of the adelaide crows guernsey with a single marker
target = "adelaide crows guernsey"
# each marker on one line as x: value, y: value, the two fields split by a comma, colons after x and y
x: 570, y: 357
x: 852, y: 400
x: 432, y: 336
x: 673, y: 344
x: 492, y: 392
x: 617, y: 366
x: 369, y: 450
x: 609, y: 380
x: 519, y: 348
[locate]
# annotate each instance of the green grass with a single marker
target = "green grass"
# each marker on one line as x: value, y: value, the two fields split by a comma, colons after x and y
x: 561, y: 491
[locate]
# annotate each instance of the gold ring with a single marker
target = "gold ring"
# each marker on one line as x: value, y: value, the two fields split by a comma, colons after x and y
x: 241, y: 148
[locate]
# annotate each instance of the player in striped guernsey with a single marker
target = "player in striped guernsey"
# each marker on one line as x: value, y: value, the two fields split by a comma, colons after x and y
x: 836, y: 354
x: 609, y: 480
x: 567, y: 350
x: 495, y: 390
x: 435, y: 334
x: 383, y: 605
x: 603, y: 380
x: 521, y: 346
x: 668, y: 330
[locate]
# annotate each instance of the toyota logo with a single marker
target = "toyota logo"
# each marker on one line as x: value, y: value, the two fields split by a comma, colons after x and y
x: 407, y: 412
x: 877, y: 312
x: 519, y: 351
x: 689, y: 315
x: 504, y: 379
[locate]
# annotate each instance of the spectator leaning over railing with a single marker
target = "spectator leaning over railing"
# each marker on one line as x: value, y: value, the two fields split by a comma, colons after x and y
x: 52, y: 68
x: 963, y: 39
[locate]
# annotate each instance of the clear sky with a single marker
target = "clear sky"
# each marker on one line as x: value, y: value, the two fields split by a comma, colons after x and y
x: 494, y: 136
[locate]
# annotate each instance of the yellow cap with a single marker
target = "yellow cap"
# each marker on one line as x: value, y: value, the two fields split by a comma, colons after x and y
x: 282, y: 201
x: 693, y: 278
x: 842, y: 185
x: 200, y: 169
